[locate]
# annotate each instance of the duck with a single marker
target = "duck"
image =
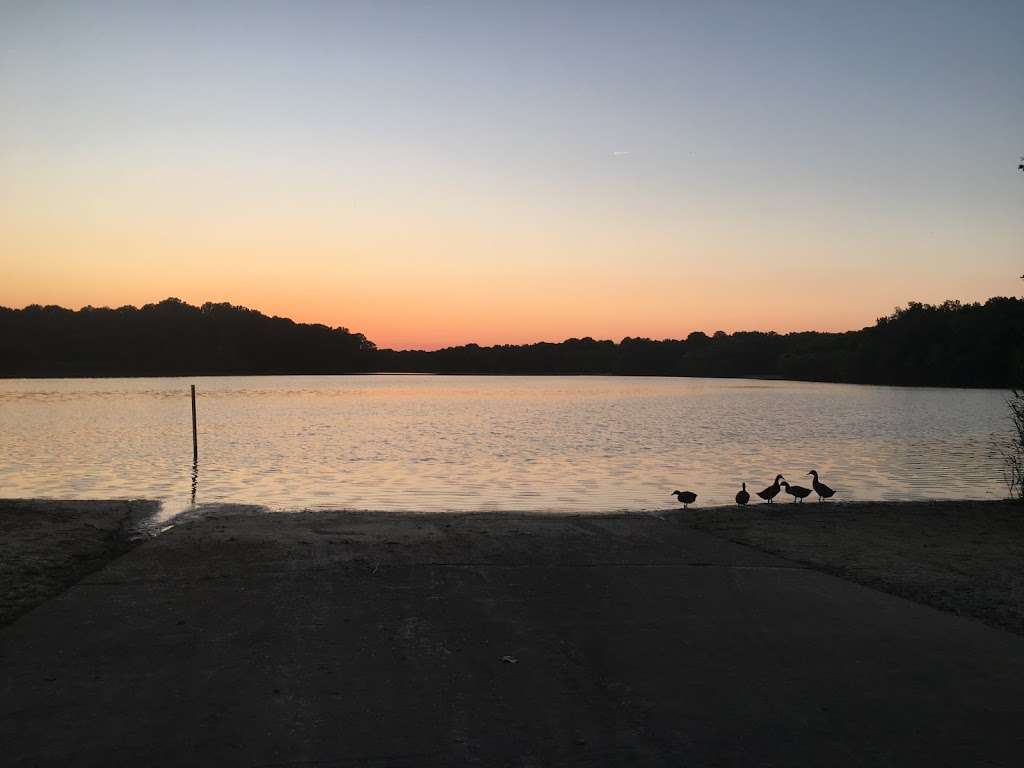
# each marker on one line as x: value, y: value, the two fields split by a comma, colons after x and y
x: 742, y: 497
x: 798, y: 492
x: 823, y: 491
x: 772, y: 490
x: 685, y: 497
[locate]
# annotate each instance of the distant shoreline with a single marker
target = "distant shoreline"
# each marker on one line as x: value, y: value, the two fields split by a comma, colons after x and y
x: 947, y: 345
x: 748, y: 377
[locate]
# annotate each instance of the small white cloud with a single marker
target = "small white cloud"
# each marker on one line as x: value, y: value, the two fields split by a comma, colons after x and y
x: 621, y: 153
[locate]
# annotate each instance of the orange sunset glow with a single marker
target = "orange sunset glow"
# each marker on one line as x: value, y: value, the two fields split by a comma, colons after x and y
x: 473, y: 200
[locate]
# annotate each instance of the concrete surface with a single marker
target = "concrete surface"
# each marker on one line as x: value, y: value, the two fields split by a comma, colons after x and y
x: 336, y: 639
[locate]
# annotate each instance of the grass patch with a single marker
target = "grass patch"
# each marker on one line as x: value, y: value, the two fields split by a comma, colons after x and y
x: 965, y: 557
x: 46, y: 546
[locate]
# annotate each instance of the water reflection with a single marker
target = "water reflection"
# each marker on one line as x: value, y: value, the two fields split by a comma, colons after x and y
x: 435, y: 443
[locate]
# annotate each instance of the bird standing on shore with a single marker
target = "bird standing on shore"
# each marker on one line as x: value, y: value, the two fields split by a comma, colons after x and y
x: 798, y: 492
x: 772, y: 490
x: 685, y: 497
x: 742, y: 497
x: 823, y: 491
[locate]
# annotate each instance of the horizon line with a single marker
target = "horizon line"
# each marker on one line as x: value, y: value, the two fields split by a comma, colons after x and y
x: 440, y: 347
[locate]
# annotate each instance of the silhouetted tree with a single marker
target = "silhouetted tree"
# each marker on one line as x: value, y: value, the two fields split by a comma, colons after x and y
x: 171, y: 338
x: 949, y: 344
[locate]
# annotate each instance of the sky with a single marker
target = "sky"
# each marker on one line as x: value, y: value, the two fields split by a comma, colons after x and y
x: 503, y: 172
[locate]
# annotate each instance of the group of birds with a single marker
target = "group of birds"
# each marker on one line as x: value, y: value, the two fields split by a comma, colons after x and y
x: 798, y: 492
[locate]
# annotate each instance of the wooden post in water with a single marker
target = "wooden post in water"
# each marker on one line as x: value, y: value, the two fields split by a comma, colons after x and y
x: 195, y: 441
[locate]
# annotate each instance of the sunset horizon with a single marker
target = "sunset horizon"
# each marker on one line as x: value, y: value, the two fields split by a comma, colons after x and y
x: 482, y: 340
x: 512, y: 175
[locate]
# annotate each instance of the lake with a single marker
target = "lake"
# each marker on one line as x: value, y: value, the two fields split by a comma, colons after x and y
x: 461, y: 443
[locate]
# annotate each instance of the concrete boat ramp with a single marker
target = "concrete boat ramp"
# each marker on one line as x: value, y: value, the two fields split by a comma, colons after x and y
x: 338, y: 639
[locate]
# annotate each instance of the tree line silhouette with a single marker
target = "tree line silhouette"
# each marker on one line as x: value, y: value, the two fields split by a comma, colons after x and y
x: 169, y: 339
x: 949, y: 344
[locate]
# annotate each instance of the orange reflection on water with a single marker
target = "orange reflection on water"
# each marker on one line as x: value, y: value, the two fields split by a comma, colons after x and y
x: 436, y: 443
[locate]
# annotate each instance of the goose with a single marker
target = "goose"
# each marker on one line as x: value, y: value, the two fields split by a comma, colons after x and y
x: 772, y: 490
x: 743, y: 497
x: 798, y: 492
x: 685, y: 497
x: 823, y: 491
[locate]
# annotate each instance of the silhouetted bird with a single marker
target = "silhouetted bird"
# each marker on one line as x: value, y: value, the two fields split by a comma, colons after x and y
x: 685, y: 497
x: 798, y: 492
x: 823, y: 491
x: 771, y: 491
x: 743, y: 497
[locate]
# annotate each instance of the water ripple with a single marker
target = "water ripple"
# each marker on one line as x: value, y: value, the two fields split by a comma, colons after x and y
x: 434, y: 443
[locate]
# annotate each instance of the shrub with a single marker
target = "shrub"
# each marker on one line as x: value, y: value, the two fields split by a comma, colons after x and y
x: 1014, y: 456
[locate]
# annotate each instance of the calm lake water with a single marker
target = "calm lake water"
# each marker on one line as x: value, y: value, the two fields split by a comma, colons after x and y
x: 438, y: 443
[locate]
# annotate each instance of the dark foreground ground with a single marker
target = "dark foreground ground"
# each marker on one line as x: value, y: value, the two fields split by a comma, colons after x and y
x: 966, y: 557
x: 46, y: 546
x: 335, y: 639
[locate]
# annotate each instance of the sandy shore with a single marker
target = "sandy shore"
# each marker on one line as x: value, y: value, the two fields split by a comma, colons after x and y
x: 46, y: 546
x: 338, y: 638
